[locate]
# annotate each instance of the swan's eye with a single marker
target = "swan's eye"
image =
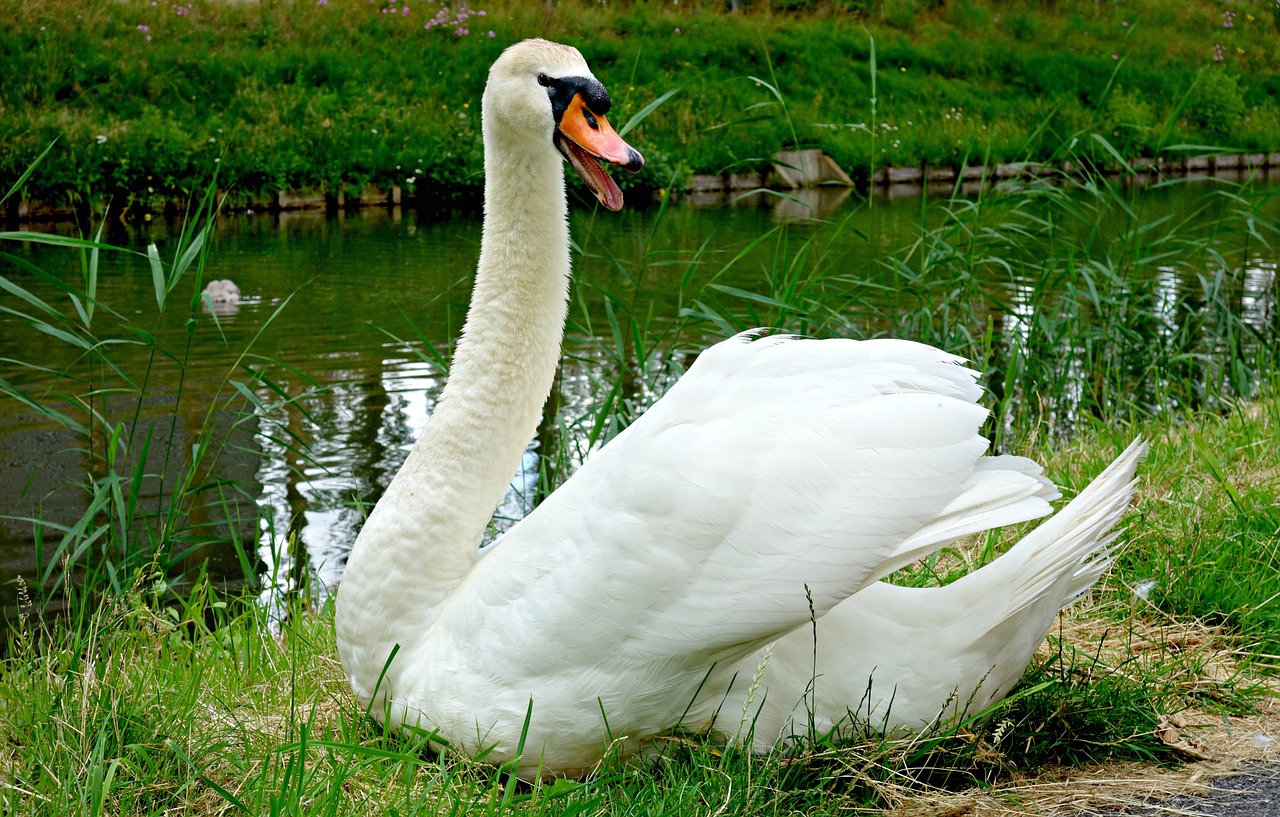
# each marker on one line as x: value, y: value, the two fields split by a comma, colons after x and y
x: 544, y: 80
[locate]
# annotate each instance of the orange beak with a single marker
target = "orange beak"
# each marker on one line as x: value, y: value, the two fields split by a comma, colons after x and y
x: 586, y: 139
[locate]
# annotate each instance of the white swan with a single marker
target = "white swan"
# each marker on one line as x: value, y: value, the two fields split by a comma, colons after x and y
x: 775, y: 472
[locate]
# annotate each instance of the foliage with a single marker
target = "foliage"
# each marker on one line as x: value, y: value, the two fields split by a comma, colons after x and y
x: 1103, y: 310
x: 1216, y: 104
x: 153, y: 501
x: 335, y: 97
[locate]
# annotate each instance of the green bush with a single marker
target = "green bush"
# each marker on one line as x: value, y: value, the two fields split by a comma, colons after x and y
x: 1216, y: 104
x: 1131, y: 121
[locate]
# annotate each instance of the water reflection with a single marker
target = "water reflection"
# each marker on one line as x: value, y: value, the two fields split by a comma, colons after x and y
x: 1167, y: 286
x: 1258, y: 299
x: 325, y: 459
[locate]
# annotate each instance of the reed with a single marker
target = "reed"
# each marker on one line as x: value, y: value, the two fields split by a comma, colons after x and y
x: 154, y: 503
x: 1079, y: 307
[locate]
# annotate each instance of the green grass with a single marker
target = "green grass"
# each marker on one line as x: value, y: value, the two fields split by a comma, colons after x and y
x: 1225, y: 565
x: 137, y: 699
x: 333, y: 98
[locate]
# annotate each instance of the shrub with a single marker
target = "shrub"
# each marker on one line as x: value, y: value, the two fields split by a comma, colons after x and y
x: 1216, y: 104
x: 301, y: 110
x: 1130, y: 120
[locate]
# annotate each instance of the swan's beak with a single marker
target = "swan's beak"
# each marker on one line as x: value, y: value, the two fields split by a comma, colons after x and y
x: 586, y: 139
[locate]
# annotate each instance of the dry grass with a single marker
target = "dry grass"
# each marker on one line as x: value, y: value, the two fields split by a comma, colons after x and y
x: 1208, y: 660
x: 1063, y: 791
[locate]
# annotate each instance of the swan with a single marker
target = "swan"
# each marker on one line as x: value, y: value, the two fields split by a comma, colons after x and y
x: 779, y: 479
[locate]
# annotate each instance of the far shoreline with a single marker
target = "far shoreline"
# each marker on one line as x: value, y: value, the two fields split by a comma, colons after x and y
x: 700, y: 190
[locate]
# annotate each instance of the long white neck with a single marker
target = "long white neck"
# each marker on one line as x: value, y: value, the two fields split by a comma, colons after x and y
x: 422, y: 537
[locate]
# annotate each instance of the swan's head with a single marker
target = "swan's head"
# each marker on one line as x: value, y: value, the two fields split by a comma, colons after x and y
x: 544, y: 92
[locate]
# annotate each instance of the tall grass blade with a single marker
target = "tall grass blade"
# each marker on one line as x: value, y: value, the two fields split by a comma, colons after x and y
x: 639, y: 116
x: 1219, y: 475
x: 26, y: 174
x: 157, y: 275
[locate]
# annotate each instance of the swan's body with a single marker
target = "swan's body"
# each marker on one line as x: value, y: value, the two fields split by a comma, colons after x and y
x: 776, y: 475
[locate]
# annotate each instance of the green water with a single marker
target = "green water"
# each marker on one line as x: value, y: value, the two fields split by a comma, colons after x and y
x: 340, y: 310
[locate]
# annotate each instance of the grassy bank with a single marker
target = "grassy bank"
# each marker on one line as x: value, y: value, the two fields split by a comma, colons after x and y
x: 135, y: 709
x: 144, y: 99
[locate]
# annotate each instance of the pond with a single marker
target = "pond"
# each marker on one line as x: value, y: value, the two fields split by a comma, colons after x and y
x: 300, y: 401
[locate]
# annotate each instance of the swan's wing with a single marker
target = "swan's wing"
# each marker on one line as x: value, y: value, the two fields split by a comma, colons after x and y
x: 776, y: 470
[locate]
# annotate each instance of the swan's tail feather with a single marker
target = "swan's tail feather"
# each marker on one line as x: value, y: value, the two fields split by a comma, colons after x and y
x: 1004, y: 490
x: 1070, y: 551
x: 1019, y: 594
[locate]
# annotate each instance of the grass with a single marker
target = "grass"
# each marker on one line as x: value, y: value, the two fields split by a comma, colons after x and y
x: 337, y: 97
x: 137, y: 699
x: 98, y: 383
x: 193, y: 709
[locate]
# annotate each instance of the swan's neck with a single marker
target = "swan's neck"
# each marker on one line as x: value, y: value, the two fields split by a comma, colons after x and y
x: 504, y: 364
x: 423, y: 535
